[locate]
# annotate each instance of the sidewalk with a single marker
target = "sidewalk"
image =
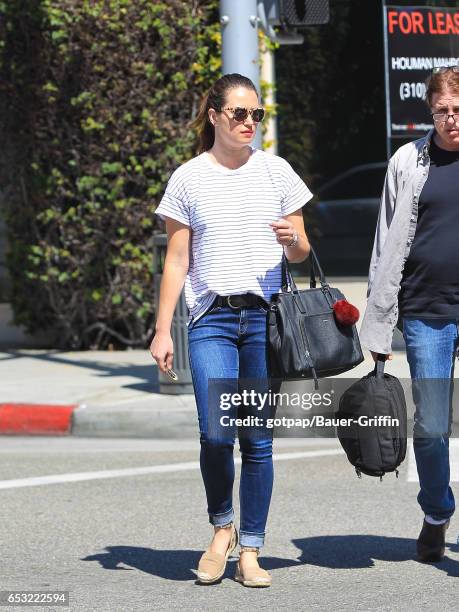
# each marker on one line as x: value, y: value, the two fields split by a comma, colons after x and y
x: 99, y: 393
x: 102, y: 393
x: 115, y: 394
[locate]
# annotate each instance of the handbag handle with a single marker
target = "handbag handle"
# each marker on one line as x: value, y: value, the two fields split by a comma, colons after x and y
x: 379, y: 366
x: 315, y: 270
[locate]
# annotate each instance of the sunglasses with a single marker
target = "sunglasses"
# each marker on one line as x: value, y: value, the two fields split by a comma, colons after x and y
x: 241, y: 114
x: 442, y: 69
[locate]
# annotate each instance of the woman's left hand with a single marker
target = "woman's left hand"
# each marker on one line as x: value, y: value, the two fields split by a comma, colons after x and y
x: 284, y: 230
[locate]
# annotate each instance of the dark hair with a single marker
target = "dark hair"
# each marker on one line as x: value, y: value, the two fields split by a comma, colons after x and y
x: 215, y: 98
x: 438, y: 82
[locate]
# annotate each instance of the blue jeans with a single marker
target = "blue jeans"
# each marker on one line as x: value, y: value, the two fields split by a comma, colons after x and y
x: 227, y: 351
x: 431, y: 345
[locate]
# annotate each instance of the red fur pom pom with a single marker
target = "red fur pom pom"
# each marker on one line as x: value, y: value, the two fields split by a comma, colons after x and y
x: 346, y: 313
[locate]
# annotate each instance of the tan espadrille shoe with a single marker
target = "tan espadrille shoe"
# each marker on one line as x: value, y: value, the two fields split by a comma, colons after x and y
x: 252, y: 576
x: 212, y: 565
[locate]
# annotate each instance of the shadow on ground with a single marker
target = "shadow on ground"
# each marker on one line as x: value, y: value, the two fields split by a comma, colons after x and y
x: 361, y: 551
x: 169, y: 564
x: 335, y: 552
x: 147, y: 375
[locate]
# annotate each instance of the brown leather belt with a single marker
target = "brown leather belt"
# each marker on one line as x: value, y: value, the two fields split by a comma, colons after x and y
x: 244, y: 300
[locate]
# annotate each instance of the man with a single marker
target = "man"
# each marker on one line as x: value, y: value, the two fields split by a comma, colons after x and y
x: 414, y: 280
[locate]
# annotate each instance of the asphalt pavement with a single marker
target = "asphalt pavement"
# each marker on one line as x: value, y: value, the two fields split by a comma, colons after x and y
x: 111, y: 507
x: 121, y: 524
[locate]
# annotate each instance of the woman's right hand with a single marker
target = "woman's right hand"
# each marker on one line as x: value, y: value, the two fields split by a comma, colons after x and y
x: 375, y: 356
x: 162, y: 350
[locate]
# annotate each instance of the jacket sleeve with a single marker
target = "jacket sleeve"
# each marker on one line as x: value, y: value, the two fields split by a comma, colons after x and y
x: 386, y: 212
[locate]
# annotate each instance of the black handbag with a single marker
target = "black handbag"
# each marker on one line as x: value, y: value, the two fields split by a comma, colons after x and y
x: 305, y: 339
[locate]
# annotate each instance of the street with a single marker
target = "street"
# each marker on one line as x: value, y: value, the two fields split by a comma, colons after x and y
x: 121, y: 524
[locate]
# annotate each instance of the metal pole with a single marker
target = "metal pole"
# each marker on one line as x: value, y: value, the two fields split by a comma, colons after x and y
x: 268, y: 75
x: 386, y: 84
x: 239, y: 22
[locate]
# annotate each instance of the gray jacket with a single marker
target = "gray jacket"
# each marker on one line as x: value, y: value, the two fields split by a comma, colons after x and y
x: 406, y: 175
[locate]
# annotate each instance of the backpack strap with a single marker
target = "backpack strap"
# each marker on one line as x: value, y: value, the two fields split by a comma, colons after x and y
x: 379, y: 366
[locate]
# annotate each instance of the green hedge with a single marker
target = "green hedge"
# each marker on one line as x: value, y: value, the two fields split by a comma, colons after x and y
x: 95, y: 97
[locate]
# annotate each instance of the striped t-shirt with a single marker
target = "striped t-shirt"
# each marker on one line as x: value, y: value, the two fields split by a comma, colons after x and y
x: 233, y: 248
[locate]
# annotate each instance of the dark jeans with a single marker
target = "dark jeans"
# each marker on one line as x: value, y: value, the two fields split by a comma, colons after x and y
x: 228, y: 353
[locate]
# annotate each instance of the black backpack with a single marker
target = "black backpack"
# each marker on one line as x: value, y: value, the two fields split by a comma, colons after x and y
x: 374, y: 443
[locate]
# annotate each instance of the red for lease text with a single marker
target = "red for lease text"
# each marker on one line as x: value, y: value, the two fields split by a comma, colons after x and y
x: 415, y: 22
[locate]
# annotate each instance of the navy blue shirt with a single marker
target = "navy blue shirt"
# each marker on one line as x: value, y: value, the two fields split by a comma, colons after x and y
x: 430, y: 281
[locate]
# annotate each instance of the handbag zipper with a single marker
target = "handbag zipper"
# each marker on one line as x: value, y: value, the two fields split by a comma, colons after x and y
x: 304, y: 347
x: 274, y: 308
x: 308, y: 355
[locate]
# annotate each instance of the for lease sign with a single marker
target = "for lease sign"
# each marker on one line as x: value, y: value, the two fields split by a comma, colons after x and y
x: 417, y: 39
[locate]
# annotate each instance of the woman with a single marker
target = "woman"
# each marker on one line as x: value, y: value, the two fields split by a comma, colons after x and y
x: 229, y: 212
x: 414, y: 274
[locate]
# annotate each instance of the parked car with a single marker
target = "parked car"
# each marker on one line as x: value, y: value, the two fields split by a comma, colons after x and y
x: 345, y: 218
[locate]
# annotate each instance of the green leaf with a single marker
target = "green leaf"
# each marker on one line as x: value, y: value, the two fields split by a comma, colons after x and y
x: 96, y: 295
x: 112, y: 168
x: 91, y: 125
x: 51, y: 87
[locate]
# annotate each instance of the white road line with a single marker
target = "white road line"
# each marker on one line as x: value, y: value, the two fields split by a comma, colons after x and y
x: 412, y: 474
x: 140, y: 471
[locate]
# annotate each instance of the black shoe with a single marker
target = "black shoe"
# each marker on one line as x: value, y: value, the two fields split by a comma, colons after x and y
x: 431, y: 542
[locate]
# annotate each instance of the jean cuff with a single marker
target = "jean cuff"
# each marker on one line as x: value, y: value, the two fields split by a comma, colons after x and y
x: 256, y: 540
x: 433, y: 521
x: 220, y: 520
x: 446, y: 515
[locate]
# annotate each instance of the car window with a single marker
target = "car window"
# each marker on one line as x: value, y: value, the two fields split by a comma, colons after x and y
x: 365, y: 183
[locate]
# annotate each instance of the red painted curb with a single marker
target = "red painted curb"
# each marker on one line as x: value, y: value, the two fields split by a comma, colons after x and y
x: 35, y: 418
